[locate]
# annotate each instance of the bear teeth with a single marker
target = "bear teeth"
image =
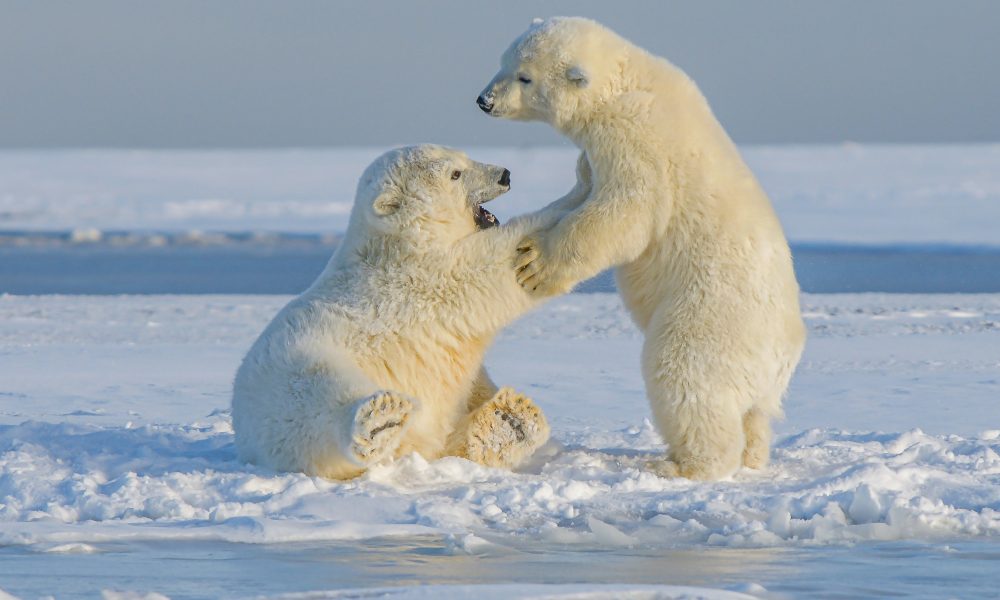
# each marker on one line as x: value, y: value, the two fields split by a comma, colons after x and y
x: 485, y: 219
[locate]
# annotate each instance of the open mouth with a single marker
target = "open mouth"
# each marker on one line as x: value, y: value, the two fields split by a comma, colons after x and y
x: 485, y: 219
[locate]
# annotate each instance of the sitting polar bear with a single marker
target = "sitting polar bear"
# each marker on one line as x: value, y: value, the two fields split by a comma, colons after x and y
x: 383, y: 354
x: 663, y: 193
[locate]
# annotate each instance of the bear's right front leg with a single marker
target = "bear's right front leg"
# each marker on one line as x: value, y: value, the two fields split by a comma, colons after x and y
x: 377, y: 426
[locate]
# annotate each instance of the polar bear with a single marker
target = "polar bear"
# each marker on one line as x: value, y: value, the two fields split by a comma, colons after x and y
x: 383, y: 354
x: 663, y: 194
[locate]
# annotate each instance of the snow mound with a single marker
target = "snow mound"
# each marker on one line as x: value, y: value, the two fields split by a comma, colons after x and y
x: 72, y: 485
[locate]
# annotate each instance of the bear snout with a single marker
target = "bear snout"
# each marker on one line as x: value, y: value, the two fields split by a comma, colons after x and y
x: 505, y: 178
x: 486, y: 104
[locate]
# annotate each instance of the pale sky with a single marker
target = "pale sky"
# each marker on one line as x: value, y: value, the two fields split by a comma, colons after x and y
x: 247, y: 73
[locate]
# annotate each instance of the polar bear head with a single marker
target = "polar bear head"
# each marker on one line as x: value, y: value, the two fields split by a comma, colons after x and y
x: 426, y: 195
x: 556, y: 71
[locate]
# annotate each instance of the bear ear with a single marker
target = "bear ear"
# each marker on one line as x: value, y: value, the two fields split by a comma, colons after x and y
x: 537, y: 21
x: 577, y: 75
x: 387, y: 203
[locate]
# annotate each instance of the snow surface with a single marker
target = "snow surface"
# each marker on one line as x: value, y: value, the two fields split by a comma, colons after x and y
x: 843, y: 194
x: 115, y: 426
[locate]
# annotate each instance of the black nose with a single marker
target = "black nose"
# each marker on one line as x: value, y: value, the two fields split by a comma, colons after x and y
x: 505, y: 178
x: 486, y: 105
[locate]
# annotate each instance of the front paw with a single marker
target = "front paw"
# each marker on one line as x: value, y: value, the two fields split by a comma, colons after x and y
x: 535, y: 270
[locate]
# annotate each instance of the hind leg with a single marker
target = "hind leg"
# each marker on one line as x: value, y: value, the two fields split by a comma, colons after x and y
x: 503, y: 432
x: 335, y: 421
x: 705, y: 440
x: 694, y: 398
x: 377, y: 427
x: 757, y: 431
x: 483, y: 390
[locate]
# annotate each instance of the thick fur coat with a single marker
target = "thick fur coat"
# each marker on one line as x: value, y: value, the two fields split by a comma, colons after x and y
x: 703, y: 264
x: 383, y: 354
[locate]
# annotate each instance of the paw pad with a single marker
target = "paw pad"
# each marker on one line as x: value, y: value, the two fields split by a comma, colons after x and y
x: 379, y: 423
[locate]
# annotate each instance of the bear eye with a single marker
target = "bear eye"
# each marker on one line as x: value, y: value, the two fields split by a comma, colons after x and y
x: 524, y: 79
x: 455, y: 175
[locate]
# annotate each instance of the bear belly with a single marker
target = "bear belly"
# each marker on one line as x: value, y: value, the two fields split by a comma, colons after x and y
x: 438, y: 376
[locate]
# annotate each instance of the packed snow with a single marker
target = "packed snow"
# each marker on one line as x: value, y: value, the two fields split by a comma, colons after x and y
x: 116, y: 427
x: 832, y: 194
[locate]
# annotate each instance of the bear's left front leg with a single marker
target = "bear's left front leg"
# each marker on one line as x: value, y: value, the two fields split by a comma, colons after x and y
x: 607, y: 230
x: 503, y: 432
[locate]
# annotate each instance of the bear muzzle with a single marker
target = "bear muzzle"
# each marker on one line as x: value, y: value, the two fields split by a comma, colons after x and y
x: 485, y: 103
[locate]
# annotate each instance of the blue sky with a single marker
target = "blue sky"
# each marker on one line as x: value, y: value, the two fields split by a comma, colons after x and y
x: 321, y: 73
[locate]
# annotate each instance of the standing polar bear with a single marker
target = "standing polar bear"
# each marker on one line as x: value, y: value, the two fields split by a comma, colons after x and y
x: 662, y: 193
x: 383, y: 354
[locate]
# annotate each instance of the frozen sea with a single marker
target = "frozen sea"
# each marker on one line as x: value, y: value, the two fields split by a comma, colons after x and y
x: 133, y: 282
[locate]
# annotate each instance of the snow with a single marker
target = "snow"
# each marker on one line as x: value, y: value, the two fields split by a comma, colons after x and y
x: 847, y: 193
x: 117, y: 467
x: 132, y: 441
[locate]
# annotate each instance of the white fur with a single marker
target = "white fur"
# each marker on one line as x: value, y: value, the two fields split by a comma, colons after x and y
x: 383, y: 354
x: 704, y: 267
